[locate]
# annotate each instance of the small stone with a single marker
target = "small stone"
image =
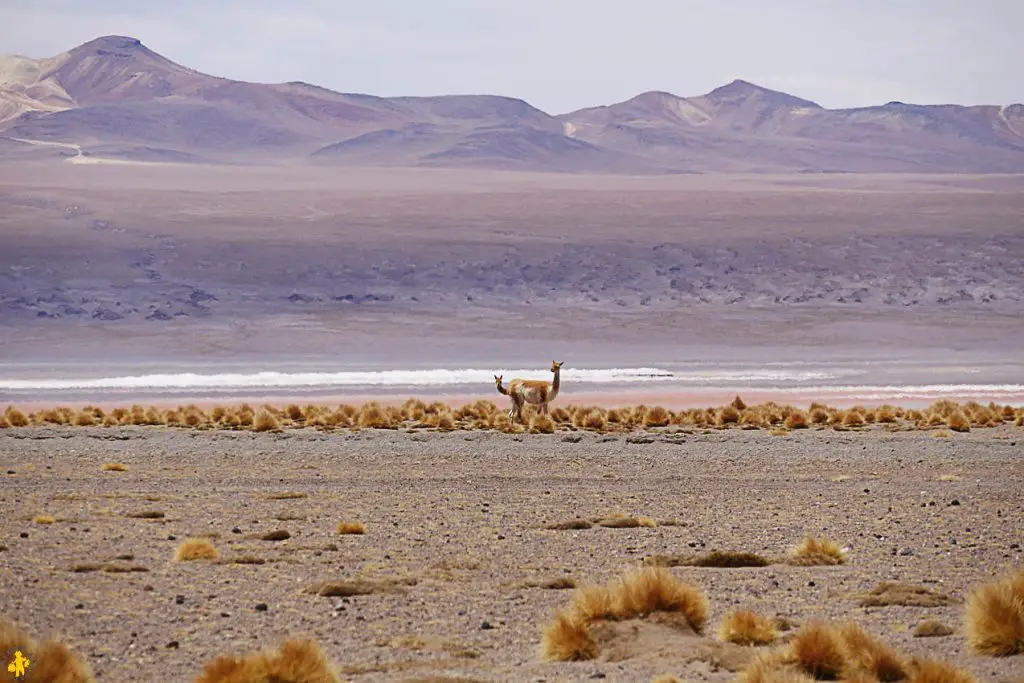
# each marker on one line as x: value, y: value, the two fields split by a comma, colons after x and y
x: 79, y: 606
x: 810, y: 583
x: 225, y: 614
x: 500, y: 537
x: 179, y: 599
x: 10, y: 471
x: 24, y: 534
x: 486, y: 626
x: 262, y: 607
x: 173, y: 645
x: 867, y: 490
x: 954, y: 502
x: 172, y: 538
x: 236, y: 530
x: 906, y: 551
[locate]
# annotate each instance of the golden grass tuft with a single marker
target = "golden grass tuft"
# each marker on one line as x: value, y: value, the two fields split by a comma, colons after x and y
x: 44, y: 519
x: 16, y: 418
x: 738, y: 403
x: 819, y: 416
x: 723, y: 559
x: 4, y: 424
x: 195, y: 549
x: 632, y: 596
x: 50, y: 661
x: 891, y: 593
x: 745, y: 627
x: 657, y: 416
x: 351, y: 528
x: 627, y: 522
x: 932, y: 628
x: 115, y: 467
x: 568, y: 639
x: 655, y: 589
x: 814, y: 551
x: 727, y: 415
x: 866, y: 654
x: 845, y: 652
x: 994, y: 617
x: 958, y: 422
x: 296, y: 661
x: 265, y: 422
x: 818, y: 650
x: 796, y: 420
x: 84, y: 419
x: 569, y: 524
x: 932, y: 671
x: 542, y: 424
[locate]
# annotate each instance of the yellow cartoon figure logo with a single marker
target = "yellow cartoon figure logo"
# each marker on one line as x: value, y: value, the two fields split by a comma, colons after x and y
x: 19, y: 663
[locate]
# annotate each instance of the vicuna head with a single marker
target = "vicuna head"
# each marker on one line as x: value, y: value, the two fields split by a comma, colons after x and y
x: 497, y: 380
x: 555, y: 365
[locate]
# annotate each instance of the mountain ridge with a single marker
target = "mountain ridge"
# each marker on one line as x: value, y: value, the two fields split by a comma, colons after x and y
x: 113, y: 96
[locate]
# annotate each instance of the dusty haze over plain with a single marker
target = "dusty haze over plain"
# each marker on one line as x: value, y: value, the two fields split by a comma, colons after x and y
x: 570, y: 54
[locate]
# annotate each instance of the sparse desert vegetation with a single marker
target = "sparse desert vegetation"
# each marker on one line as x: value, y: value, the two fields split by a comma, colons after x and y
x: 630, y: 555
x: 941, y: 417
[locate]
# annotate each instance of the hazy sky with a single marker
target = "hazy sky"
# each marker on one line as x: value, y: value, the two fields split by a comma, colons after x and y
x: 565, y: 54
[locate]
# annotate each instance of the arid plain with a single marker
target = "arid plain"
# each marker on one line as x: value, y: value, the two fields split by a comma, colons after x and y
x: 112, y: 267
x: 459, y: 569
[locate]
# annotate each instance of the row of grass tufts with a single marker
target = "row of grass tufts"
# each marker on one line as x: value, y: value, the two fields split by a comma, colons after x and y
x: 415, y: 414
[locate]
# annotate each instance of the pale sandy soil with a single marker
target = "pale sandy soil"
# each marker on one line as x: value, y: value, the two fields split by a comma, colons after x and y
x: 461, y: 513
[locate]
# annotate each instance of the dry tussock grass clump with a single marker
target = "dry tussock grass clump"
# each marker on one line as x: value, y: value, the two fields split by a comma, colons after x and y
x: 814, y: 551
x: 374, y: 416
x: 115, y: 467
x: 15, y: 417
x: 569, y: 524
x: 50, y: 661
x: 351, y: 528
x: 568, y: 639
x: 632, y: 596
x: 195, y: 549
x: 265, y: 422
x: 958, y: 422
x: 724, y: 559
x: 846, y: 652
x: 296, y: 661
x: 819, y: 416
x: 44, y: 519
x: 797, y: 420
x: 657, y: 416
x: 738, y: 403
x: 542, y: 424
x: 620, y: 522
x: 350, y: 587
x: 890, y: 593
x: 726, y: 416
x: 994, y: 619
x: 745, y: 627
x: 84, y: 419
x: 932, y: 628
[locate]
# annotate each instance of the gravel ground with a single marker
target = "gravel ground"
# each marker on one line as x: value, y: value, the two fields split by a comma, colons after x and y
x: 460, y: 515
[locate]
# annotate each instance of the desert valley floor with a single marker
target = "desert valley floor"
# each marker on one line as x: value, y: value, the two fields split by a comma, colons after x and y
x: 456, y: 554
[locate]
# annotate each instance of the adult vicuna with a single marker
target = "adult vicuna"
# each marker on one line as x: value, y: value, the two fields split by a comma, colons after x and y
x: 535, y: 391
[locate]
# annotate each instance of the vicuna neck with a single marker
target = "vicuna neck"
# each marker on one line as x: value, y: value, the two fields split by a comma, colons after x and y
x: 556, y: 382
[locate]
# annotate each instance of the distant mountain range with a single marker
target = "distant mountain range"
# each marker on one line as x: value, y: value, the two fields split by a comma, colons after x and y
x: 113, y: 97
